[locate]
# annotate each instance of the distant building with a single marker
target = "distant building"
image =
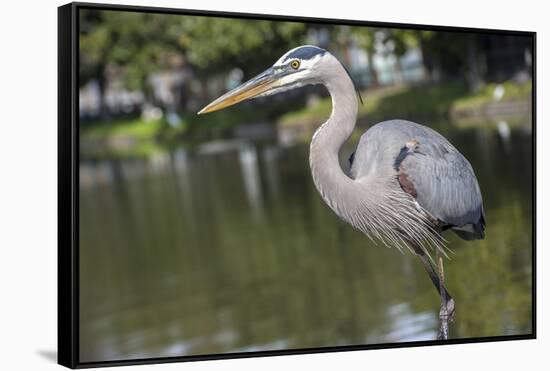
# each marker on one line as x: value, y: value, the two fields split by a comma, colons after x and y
x: 167, y: 87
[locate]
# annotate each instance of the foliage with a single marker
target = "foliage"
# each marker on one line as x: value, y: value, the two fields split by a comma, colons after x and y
x: 136, y: 128
x: 137, y: 43
x: 142, y: 43
x: 385, y: 104
x: 435, y: 102
x: 220, y: 44
x: 404, y: 39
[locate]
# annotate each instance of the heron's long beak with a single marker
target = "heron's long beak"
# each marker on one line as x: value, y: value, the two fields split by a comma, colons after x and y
x: 265, y: 81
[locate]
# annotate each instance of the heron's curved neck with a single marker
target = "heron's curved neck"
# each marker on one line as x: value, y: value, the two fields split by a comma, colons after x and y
x: 328, y: 176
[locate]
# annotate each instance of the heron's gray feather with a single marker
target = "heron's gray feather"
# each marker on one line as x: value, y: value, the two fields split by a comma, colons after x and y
x: 443, y: 179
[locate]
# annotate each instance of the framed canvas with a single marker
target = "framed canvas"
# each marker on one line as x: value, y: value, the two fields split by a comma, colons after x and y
x: 240, y: 185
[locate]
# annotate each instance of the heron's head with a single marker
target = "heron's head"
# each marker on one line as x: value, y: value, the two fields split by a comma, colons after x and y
x: 298, y: 67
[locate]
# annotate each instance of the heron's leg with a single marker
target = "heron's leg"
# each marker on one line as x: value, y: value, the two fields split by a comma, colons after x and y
x: 447, y: 302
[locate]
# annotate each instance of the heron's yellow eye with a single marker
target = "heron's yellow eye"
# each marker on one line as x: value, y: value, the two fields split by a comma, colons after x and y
x: 295, y: 64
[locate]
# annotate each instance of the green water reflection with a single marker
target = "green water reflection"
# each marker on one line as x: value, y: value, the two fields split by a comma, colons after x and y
x: 232, y: 249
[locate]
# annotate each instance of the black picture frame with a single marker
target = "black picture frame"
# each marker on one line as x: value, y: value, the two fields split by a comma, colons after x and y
x: 68, y: 189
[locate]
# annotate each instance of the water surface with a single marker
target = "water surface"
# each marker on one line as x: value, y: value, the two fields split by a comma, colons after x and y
x: 230, y: 248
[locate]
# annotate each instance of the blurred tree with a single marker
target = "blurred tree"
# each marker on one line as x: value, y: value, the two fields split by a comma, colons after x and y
x: 216, y: 45
x: 423, y: 37
x: 366, y: 38
x: 403, y: 40
x: 94, y: 42
x: 388, y: 41
x: 132, y: 45
x: 129, y: 45
x: 455, y: 56
x: 445, y: 55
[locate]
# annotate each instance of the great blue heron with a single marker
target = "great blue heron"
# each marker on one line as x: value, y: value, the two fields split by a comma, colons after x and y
x: 407, y: 184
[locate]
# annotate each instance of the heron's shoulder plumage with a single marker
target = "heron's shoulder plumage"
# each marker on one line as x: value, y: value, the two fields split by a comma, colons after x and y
x: 429, y: 168
x: 381, y: 143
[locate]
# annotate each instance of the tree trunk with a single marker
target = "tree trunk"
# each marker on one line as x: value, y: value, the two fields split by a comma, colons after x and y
x: 398, y: 72
x: 373, y: 73
x: 427, y: 61
x: 475, y: 80
x: 102, y: 84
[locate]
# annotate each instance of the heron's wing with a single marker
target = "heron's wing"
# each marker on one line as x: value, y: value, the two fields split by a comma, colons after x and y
x: 443, y: 183
x: 427, y: 167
